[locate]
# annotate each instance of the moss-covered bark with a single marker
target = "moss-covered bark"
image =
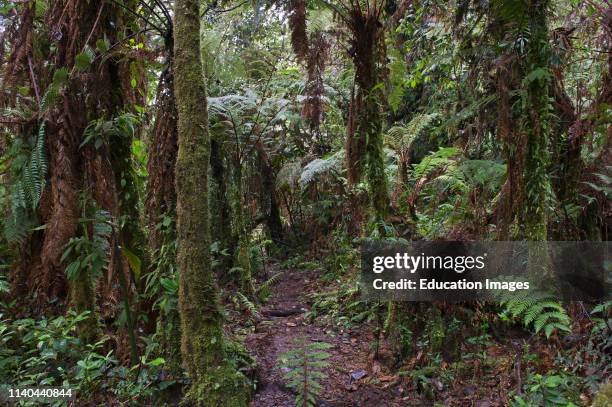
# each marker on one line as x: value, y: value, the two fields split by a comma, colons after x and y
x: 83, y: 299
x: 364, y: 144
x: 524, y: 121
x: 536, y: 124
x: 215, y: 382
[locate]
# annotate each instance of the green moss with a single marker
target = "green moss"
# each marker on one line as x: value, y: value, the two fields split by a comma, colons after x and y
x: 221, y: 386
x: 604, y: 396
x: 537, y: 114
x: 83, y: 299
x: 399, y: 326
x: 243, y: 261
x: 215, y: 381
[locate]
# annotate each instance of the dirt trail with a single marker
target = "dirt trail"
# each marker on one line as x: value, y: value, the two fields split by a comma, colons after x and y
x: 283, y: 321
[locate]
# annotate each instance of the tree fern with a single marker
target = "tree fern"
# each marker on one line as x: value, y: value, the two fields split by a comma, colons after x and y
x: 400, y: 138
x: 435, y: 160
x: 288, y: 175
x: 320, y: 166
x: 303, y: 366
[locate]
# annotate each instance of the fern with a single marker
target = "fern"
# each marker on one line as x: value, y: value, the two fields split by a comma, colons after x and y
x: 288, y: 175
x: 602, y: 308
x: 535, y: 308
x: 400, y: 138
x: 89, y: 255
x: 264, y: 290
x: 397, y: 73
x: 27, y: 191
x: 602, y: 314
x: 485, y: 173
x: 5, y: 287
x: 247, y: 304
x: 304, y: 366
x: 432, y: 162
x: 320, y: 166
x: 604, y: 184
x: 319, y: 19
x: 470, y: 110
x: 60, y: 77
x: 452, y: 181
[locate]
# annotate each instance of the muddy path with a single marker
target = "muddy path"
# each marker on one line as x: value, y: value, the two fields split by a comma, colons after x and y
x: 353, y: 378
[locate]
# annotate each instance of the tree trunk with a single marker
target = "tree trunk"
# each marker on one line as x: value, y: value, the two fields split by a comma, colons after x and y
x: 161, y: 196
x: 269, y: 200
x: 215, y: 382
x: 86, y: 94
x: 222, y: 223
x: 536, y: 125
x: 364, y: 144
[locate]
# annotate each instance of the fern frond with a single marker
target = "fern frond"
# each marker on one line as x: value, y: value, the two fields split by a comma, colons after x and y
x: 603, y: 307
x: 288, y: 175
x: 266, y: 285
x: 318, y: 167
x: 432, y: 162
x: 305, y: 363
x: 400, y: 138
x: 537, y: 308
x: 547, y: 318
x: 248, y: 304
x: 27, y: 191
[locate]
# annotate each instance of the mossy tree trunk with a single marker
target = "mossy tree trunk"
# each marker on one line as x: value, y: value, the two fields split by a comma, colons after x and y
x: 364, y: 142
x: 524, y: 129
x: 215, y: 382
x: 536, y: 123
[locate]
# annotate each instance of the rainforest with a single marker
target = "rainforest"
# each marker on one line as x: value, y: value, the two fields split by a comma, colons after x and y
x: 186, y: 187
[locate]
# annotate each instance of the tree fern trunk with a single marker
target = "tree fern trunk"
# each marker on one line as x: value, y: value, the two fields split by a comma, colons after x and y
x: 364, y: 147
x: 537, y: 123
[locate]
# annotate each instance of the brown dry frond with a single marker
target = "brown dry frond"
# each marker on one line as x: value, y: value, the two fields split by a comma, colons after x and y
x: 297, y: 24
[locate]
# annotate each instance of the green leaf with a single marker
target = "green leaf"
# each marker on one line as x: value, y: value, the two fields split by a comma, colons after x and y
x: 83, y: 60
x: 537, y: 74
x: 102, y: 45
x: 157, y: 362
x: 133, y: 260
x: 60, y: 76
x: 73, y: 269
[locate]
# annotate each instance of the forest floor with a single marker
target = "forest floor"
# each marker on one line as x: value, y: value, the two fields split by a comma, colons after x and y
x: 355, y: 379
x: 351, y: 368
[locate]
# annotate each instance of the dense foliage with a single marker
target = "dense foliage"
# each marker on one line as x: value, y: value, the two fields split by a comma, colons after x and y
x: 163, y: 166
